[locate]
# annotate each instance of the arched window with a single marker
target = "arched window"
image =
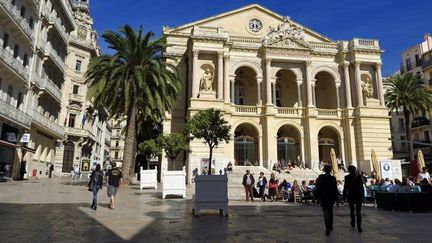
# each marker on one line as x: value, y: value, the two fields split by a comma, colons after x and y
x: 239, y: 93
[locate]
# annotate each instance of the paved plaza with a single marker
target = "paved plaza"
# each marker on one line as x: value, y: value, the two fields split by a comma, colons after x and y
x: 58, y: 210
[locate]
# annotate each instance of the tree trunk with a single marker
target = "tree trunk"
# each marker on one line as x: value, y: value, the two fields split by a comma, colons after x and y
x: 210, y: 159
x: 408, y: 132
x: 129, y: 156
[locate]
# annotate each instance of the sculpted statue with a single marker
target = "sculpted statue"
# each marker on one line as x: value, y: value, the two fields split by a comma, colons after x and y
x: 367, y: 88
x: 207, y: 80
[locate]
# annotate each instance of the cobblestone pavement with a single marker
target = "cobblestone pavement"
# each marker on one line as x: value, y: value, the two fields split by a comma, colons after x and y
x: 58, y: 210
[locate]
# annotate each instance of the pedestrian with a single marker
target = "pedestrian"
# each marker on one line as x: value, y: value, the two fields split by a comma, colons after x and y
x: 262, y: 183
x: 353, y: 193
x: 248, y: 182
x: 95, y: 184
x: 23, y: 170
x: 51, y: 168
x: 327, y: 193
x: 114, y: 181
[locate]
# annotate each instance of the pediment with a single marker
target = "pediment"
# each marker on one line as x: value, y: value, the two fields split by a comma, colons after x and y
x: 236, y: 23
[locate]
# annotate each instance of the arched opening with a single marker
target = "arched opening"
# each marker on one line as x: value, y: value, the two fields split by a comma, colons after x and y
x: 245, y: 87
x: 288, y: 143
x: 286, y: 89
x: 246, y: 145
x: 68, y: 157
x: 328, y: 138
x: 325, y: 91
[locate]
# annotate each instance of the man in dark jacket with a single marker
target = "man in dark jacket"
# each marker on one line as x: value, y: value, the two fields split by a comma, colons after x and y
x: 248, y: 182
x: 262, y: 183
x: 327, y: 193
x: 354, y: 193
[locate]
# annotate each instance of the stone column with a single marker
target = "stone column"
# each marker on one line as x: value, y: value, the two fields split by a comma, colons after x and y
x: 220, y: 76
x: 347, y: 84
x: 358, y: 84
x: 308, y: 83
x: 337, y: 94
x: 232, y: 89
x: 195, y: 78
x: 313, y: 82
x: 299, y: 98
x: 226, y: 80
x: 260, y: 150
x: 268, y: 81
x: 259, y: 100
x: 274, y: 93
x: 380, y: 90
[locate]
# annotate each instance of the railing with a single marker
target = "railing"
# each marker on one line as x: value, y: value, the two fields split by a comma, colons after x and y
x: 47, y: 85
x: 54, y: 55
x: 246, y: 109
x: 324, y: 47
x: 327, y: 112
x: 287, y: 111
x: 209, y: 31
x: 246, y: 40
x: 76, y: 97
x: 427, y: 63
x: 13, y: 114
x: 81, y: 5
x: 61, y: 29
x: 364, y: 44
x: 68, y: 10
x: 16, y: 15
x: 48, y: 124
x: 13, y: 63
x: 79, y: 132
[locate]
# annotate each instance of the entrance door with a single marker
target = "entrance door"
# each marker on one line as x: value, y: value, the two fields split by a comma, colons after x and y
x: 68, y: 157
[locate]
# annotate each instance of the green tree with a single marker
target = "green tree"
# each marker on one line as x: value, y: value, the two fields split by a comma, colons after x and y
x: 150, y: 148
x: 408, y: 93
x: 173, y: 144
x: 133, y: 83
x: 210, y: 126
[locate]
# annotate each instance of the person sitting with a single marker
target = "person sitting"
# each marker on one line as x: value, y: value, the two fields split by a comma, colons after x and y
x: 295, y: 189
x: 386, y: 182
x: 284, y: 187
x: 424, y: 174
x: 405, y: 187
x: 395, y: 187
x: 229, y: 167
x: 426, y: 186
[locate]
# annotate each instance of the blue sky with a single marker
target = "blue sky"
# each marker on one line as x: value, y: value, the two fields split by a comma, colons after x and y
x: 397, y: 24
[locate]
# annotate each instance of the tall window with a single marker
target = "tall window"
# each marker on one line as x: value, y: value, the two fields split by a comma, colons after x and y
x: 20, y: 100
x: 78, y: 65
x: 117, y: 143
x: 26, y: 60
x: 278, y: 96
x: 31, y: 23
x: 116, y: 155
x: 22, y: 11
x: 239, y: 93
x: 16, y: 51
x: 5, y: 39
x: 404, y: 145
x: 9, y: 94
x: 71, y: 121
x: 401, y: 124
x: 418, y: 60
x: 75, y: 89
x: 408, y: 64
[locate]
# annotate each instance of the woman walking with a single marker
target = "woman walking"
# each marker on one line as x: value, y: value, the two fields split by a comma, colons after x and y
x: 95, y: 184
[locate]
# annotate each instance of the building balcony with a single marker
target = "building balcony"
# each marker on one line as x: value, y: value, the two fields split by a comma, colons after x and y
x: 15, y: 14
x: 289, y: 111
x: 427, y: 63
x: 368, y: 44
x: 55, y: 21
x: 49, y: 51
x: 76, y: 98
x: 13, y: 63
x: 13, y: 114
x: 331, y: 113
x: 47, y: 85
x: 246, y: 109
x: 80, y: 5
x: 420, y: 122
x: 85, y: 43
x: 48, y: 124
x: 78, y: 132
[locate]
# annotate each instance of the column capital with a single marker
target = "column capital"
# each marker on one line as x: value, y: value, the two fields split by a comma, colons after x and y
x: 299, y: 82
x: 345, y: 64
x: 267, y: 60
x: 259, y: 80
x: 220, y: 53
x: 308, y: 63
x: 226, y: 57
x: 338, y: 83
x: 356, y: 63
x: 378, y: 64
x: 195, y: 53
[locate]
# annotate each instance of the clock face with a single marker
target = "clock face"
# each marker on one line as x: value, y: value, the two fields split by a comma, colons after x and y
x: 255, y: 25
x: 82, y: 32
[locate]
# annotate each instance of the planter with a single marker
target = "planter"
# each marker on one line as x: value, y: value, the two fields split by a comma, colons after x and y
x: 148, y: 178
x: 173, y: 182
x: 211, y: 192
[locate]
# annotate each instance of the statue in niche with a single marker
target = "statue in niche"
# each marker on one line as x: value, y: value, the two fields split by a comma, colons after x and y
x: 207, y: 80
x: 366, y: 85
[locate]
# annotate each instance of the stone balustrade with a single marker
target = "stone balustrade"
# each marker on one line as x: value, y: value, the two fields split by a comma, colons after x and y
x: 288, y: 111
x: 16, y: 16
x: 12, y: 113
x: 358, y: 43
x: 55, y: 57
x: 87, y: 43
x: 79, y: 132
x: 76, y: 97
x: 328, y: 112
x: 13, y: 63
x: 324, y: 47
x: 48, y: 124
x: 47, y: 85
x: 245, y: 109
x: 55, y: 21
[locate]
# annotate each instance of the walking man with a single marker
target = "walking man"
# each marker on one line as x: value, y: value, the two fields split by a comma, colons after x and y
x: 262, y: 183
x: 354, y: 193
x: 248, y: 182
x: 327, y: 193
x: 114, y: 180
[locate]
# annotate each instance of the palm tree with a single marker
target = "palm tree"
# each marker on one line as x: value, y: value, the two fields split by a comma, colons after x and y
x: 408, y: 93
x: 136, y: 82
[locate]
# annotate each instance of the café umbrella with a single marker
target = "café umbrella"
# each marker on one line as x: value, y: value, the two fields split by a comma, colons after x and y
x: 420, y: 160
x: 375, y: 165
x: 334, y: 164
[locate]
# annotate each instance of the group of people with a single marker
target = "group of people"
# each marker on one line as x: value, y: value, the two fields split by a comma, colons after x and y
x: 282, y: 165
x: 326, y: 189
x: 113, y: 181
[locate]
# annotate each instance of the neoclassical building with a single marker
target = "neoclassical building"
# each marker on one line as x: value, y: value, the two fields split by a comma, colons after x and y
x: 288, y: 92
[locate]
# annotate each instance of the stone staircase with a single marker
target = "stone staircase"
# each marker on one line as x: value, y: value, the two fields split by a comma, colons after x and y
x: 236, y: 189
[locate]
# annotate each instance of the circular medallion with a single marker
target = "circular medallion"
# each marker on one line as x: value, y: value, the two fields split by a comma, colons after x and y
x: 255, y: 25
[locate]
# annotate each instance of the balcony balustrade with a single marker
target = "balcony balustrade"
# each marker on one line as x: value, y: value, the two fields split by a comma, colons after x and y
x: 245, y: 109
x: 87, y: 43
x: 12, y: 113
x: 55, y: 57
x: 357, y: 43
x: 47, y: 85
x: 78, y: 132
x: 50, y: 125
x: 76, y: 98
x: 328, y: 112
x: 426, y: 63
x: 287, y: 111
x: 13, y: 11
x: 13, y: 63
